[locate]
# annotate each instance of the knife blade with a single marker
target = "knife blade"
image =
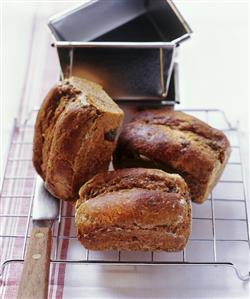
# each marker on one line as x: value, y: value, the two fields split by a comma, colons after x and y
x: 35, y: 273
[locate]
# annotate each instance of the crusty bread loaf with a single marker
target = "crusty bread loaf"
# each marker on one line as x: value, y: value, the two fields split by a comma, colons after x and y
x: 134, y: 209
x: 75, y: 134
x: 177, y: 143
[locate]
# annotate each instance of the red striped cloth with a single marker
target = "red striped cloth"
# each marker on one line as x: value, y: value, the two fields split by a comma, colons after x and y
x: 15, y: 206
x: 42, y: 72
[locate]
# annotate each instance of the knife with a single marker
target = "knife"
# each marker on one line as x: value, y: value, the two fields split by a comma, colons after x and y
x: 35, y: 274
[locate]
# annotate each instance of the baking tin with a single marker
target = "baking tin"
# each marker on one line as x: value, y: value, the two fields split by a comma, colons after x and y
x: 128, y: 46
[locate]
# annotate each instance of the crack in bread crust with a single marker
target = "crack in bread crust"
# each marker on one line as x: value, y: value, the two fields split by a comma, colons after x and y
x: 122, y: 179
x: 53, y: 105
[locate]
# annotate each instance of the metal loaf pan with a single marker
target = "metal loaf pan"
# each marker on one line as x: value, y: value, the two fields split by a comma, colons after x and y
x: 128, y: 46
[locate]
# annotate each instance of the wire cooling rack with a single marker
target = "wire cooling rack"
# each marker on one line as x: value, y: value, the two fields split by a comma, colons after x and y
x: 220, y: 230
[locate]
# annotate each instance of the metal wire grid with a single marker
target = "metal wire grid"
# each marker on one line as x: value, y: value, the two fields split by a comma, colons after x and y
x: 20, y: 181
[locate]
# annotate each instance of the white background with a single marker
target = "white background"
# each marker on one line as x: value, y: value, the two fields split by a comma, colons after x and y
x: 214, y: 73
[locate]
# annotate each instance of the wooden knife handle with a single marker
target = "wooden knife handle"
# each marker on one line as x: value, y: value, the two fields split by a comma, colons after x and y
x: 35, y: 275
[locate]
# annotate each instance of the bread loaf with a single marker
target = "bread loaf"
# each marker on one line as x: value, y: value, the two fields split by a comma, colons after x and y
x: 74, y: 137
x: 134, y: 209
x: 177, y: 143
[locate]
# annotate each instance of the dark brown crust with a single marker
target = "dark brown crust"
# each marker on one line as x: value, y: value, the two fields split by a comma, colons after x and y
x: 43, y: 120
x: 70, y: 135
x: 175, y: 142
x: 140, y: 211
x: 178, y: 120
